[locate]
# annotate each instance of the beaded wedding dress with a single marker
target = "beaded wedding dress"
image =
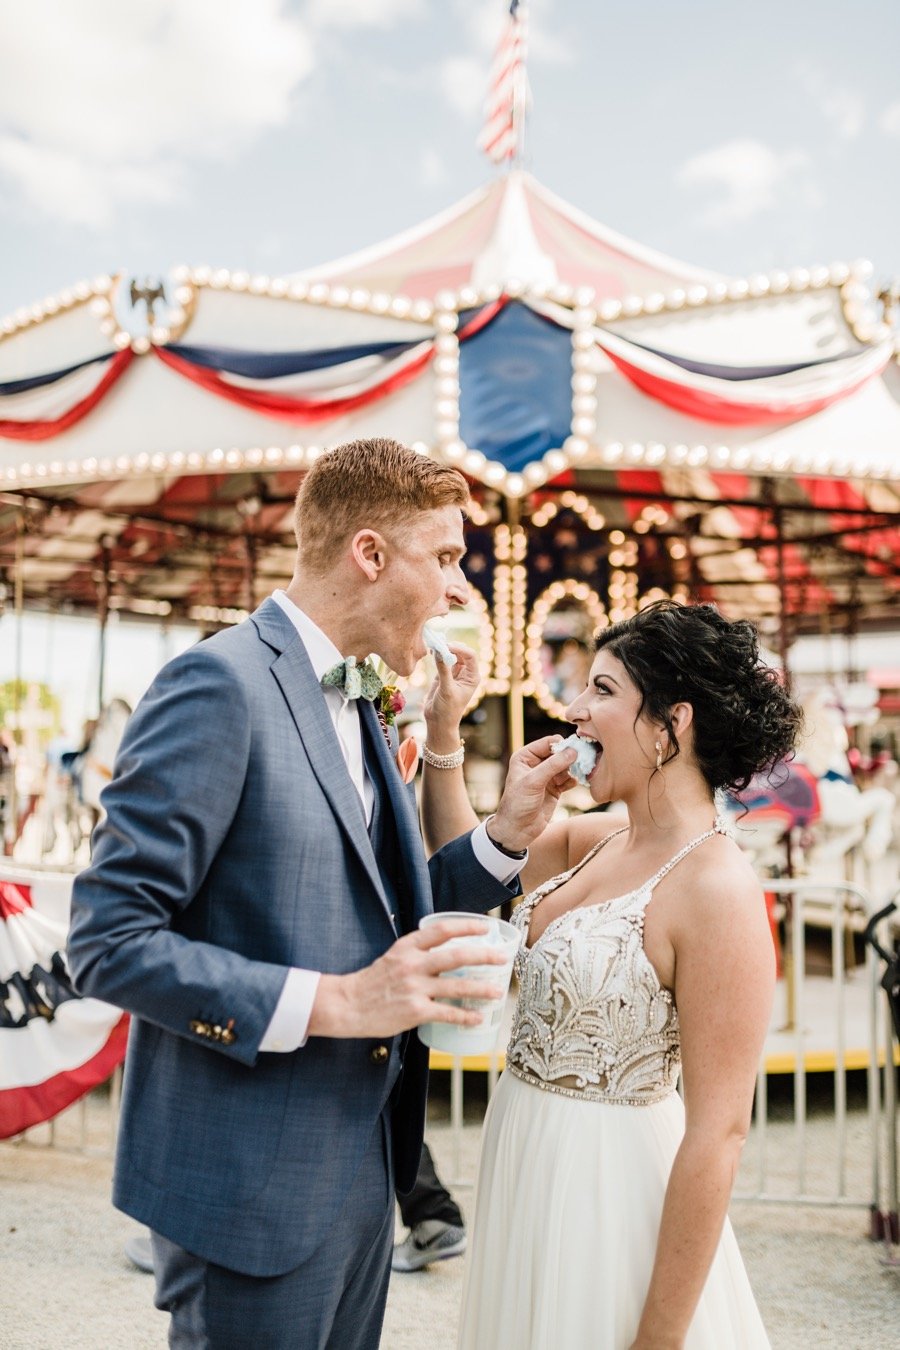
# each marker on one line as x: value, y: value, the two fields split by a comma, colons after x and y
x: 579, y: 1140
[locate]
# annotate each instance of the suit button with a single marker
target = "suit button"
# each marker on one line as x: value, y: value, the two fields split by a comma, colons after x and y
x: 380, y: 1054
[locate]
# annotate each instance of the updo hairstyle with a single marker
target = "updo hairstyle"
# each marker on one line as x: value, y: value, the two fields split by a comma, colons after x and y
x: 745, y: 721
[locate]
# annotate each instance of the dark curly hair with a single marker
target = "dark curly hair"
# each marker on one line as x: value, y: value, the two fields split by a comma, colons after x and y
x: 745, y: 721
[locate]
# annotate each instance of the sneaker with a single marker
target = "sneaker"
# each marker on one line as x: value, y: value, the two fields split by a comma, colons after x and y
x: 432, y: 1240
x: 140, y: 1254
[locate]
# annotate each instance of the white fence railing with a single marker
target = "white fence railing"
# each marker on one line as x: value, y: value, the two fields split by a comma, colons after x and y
x: 832, y: 1026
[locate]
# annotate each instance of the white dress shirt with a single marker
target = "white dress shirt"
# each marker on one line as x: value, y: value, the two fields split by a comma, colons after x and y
x: 287, y: 1030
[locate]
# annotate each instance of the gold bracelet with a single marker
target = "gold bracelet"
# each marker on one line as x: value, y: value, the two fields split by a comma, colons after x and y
x: 453, y: 761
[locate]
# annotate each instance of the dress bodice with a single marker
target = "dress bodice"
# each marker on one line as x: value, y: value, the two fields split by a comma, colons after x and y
x: 592, y: 1019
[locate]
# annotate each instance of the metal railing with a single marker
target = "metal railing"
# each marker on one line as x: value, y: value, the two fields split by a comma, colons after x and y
x: 841, y: 901
x: 842, y: 907
x: 843, y: 904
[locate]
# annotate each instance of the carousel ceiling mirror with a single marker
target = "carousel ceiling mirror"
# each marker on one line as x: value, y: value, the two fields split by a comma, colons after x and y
x: 559, y: 644
x: 468, y: 625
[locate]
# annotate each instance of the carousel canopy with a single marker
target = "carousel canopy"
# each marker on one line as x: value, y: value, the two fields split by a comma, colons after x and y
x: 742, y: 436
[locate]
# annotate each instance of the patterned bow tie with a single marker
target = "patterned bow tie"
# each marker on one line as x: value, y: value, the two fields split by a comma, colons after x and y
x: 353, y: 680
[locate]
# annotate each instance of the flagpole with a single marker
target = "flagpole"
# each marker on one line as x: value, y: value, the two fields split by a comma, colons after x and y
x: 520, y: 92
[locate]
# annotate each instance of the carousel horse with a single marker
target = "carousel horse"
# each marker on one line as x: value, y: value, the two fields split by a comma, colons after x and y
x: 851, y: 817
x: 90, y: 768
x: 816, y: 801
x: 100, y: 753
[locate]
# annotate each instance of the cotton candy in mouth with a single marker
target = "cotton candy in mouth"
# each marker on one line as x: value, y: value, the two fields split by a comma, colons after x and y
x: 436, y: 643
x: 587, y: 756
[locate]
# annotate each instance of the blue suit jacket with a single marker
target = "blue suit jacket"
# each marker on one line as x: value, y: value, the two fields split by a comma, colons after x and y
x: 234, y: 847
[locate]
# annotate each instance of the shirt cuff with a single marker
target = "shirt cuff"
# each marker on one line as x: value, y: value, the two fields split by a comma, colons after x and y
x: 288, y: 1028
x: 501, y: 867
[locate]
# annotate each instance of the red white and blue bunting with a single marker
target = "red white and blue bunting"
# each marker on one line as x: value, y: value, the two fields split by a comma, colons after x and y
x: 743, y: 395
x: 54, y: 1045
x: 312, y: 386
x: 42, y: 406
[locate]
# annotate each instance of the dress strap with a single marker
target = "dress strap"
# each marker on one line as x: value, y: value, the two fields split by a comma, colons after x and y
x: 682, y: 853
x: 531, y: 901
x: 592, y: 852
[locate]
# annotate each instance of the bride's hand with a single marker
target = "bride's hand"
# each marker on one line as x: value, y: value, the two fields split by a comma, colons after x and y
x: 450, y: 694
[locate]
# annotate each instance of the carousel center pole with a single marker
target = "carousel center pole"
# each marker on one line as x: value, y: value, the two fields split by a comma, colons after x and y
x: 516, y: 698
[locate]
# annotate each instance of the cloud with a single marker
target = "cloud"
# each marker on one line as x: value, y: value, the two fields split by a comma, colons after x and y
x: 889, y: 121
x: 842, y: 107
x: 362, y: 13
x: 127, y: 97
x: 432, y: 170
x: 463, y: 81
x: 483, y: 24
x: 68, y: 186
x: 751, y: 176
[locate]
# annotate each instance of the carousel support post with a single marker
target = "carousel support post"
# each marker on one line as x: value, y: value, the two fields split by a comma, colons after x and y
x: 10, y: 833
x: 790, y: 974
x: 248, y: 508
x: 250, y: 572
x: 19, y: 600
x: 516, y: 698
x: 102, y: 618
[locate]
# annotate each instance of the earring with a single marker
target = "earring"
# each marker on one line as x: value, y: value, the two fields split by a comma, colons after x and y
x: 658, y: 756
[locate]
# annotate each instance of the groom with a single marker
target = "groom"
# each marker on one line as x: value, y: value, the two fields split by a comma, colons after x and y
x: 253, y: 900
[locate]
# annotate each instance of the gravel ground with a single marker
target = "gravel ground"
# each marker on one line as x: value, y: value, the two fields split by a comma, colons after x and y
x: 65, y: 1283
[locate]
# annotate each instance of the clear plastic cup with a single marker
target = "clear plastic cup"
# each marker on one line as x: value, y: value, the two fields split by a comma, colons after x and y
x: 482, y: 1038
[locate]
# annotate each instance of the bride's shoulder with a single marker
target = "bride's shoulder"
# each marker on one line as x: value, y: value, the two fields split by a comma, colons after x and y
x: 565, y: 842
x: 717, y: 885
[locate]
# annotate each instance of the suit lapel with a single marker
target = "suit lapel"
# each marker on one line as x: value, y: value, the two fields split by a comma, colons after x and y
x: 303, y: 694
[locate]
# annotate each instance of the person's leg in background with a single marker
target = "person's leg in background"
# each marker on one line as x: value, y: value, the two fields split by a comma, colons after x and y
x: 436, y: 1226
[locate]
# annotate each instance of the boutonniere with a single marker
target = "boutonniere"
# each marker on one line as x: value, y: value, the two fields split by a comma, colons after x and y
x: 388, y: 705
x: 392, y: 702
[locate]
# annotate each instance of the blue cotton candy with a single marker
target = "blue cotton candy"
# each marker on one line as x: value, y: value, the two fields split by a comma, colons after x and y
x: 587, y: 757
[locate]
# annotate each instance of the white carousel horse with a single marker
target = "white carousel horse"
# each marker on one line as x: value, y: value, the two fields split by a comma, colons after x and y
x: 850, y: 817
x: 85, y: 773
x: 100, y: 752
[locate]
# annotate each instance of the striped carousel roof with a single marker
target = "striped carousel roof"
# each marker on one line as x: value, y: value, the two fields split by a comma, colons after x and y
x: 743, y: 435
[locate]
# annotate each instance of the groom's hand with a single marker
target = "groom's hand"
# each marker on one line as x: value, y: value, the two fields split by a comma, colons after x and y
x: 534, y: 782
x: 406, y: 986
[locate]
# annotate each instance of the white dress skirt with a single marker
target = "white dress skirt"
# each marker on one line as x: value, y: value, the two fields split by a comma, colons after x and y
x: 579, y: 1141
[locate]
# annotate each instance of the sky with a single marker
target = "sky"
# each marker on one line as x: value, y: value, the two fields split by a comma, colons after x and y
x: 273, y: 135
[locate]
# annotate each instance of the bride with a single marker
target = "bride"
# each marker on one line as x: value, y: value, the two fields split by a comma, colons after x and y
x: 601, y: 1210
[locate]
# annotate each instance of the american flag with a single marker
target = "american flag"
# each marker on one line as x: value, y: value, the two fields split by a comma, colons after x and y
x: 508, y: 92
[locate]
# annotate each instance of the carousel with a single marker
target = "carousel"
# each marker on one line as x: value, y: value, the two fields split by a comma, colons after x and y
x: 632, y: 427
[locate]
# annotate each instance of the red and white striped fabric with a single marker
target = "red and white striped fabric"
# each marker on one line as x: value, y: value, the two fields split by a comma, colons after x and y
x: 54, y: 1045
x: 508, y: 92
